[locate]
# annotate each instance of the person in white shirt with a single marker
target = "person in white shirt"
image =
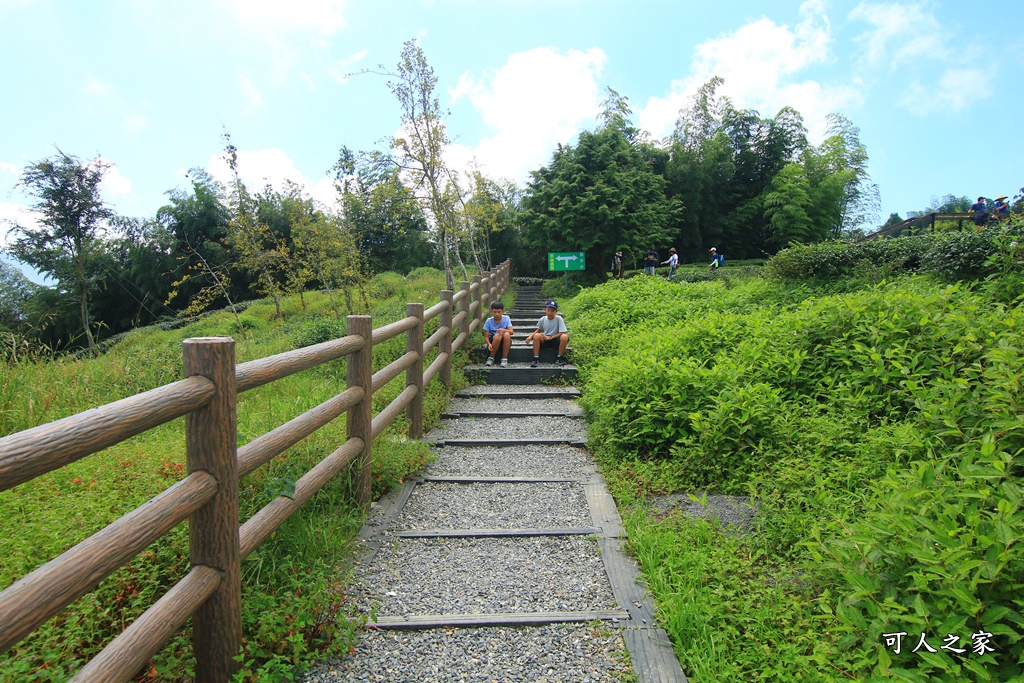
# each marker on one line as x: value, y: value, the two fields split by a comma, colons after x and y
x: 551, y: 332
x: 673, y: 261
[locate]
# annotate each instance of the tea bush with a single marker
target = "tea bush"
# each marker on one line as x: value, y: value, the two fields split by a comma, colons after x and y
x: 877, y: 430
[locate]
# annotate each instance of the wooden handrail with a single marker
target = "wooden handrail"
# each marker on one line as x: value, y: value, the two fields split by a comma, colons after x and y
x: 270, y: 518
x: 210, y: 593
x: 392, y: 370
x: 382, y: 334
x: 435, y: 310
x: 26, y: 455
x: 261, y: 450
x: 38, y: 596
x: 256, y: 373
x: 129, y: 652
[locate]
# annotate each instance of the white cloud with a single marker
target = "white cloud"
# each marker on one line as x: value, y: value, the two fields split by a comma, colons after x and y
x: 135, y: 123
x: 260, y: 167
x: 536, y: 100
x: 957, y: 89
x: 251, y: 92
x: 115, y: 183
x: 761, y: 63
x: 339, y: 71
x: 319, y: 16
x: 901, y: 32
x: 105, y: 98
x: 15, y: 214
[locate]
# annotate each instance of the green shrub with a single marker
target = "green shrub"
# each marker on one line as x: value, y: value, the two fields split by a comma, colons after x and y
x: 319, y: 330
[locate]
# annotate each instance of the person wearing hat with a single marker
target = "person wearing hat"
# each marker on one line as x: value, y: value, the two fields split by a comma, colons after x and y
x: 617, y: 265
x: 551, y: 333
x: 716, y: 259
x: 1002, y: 207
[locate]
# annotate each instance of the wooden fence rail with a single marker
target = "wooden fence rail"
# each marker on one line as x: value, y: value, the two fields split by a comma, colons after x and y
x: 208, y: 495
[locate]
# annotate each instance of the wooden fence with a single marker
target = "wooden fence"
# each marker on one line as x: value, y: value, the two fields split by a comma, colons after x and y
x: 921, y: 223
x: 208, y: 496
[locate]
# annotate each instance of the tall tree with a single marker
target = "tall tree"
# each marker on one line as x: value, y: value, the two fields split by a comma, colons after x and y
x: 599, y: 196
x: 261, y: 252
x: 71, y: 214
x: 419, y: 149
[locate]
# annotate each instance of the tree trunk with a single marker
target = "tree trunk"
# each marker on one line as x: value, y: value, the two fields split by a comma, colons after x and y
x: 595, y: 263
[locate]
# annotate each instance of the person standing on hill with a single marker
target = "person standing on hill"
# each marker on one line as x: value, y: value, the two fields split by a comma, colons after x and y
x: 1002, y: 207
x: 716, y: 259
x: 617, y: 265
x: 673, y: 261
x: 980, y: 212
x: 650, y: 262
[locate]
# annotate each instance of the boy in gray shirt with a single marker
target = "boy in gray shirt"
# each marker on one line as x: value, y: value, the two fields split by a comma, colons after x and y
x: 550, y: 333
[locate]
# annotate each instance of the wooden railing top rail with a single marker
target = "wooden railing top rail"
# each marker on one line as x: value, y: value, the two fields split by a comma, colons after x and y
x: 30, y: 453
x: 916, y: 220
x: 256, y: 373
x: 382, y: 334
x: 208, y: 494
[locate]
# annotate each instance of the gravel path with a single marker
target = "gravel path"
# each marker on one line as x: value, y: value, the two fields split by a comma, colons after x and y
x: 510, y: 428
x: 563, y: 652
x: 412, y: 576
x: 442, y: 505
x: 514, y: 405
x: 553, y: 462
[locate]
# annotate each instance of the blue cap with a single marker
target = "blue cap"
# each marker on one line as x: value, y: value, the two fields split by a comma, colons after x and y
x: 553, y: 304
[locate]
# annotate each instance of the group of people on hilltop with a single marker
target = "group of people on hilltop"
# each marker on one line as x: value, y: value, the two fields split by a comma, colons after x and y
x: 1000, y: 210
x: 651, y: 262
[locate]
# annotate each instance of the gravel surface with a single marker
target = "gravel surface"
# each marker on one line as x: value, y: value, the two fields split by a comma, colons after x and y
x: 731, y: 511
x: 413, y: 576
x: 484, y: 389
x: 552, y: 462
x: 515, y: 405
x: 510, y: 428
x: 569, y: 653
x: 443, y: 505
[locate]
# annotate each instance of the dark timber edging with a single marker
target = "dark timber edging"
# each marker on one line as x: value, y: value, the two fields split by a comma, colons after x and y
x: 500, y: 619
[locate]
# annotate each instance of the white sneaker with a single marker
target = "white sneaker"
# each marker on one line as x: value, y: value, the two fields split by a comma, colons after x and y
x: 490, y: 361
x: 504, y: 362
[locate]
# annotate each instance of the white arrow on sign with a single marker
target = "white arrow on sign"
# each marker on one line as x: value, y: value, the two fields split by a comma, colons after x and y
x: 566, y: 259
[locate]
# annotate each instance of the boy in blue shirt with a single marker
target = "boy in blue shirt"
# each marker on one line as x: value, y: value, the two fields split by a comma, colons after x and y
x: 498, y: 334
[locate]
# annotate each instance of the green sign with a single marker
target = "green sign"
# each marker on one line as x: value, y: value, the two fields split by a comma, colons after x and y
x: 566, y: 260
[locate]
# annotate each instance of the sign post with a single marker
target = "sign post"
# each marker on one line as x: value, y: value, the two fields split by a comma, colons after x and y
x: 566, y: 261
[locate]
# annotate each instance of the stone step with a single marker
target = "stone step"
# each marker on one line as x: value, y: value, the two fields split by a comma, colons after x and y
x: 539, y: 392
x: 518, y: 373
x: 519, y: 353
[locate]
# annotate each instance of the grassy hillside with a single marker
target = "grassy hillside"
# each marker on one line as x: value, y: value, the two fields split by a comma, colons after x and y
x: 875, y: 423
x: 294, y: 604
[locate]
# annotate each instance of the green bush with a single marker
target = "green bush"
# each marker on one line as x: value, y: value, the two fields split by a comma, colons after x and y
x: 879, y: 432
x: 319, y: 330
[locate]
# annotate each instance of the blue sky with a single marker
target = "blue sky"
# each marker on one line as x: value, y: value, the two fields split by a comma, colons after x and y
x: 149, y: 84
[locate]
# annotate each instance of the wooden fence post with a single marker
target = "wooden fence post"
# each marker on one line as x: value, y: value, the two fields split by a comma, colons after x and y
x: 446, y: 339
x: 485, y: 296
x: 211, y: 445
x: 359, y: 419
x: 478, y: 297
x: 414, y: 374
x: 464, y: 307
